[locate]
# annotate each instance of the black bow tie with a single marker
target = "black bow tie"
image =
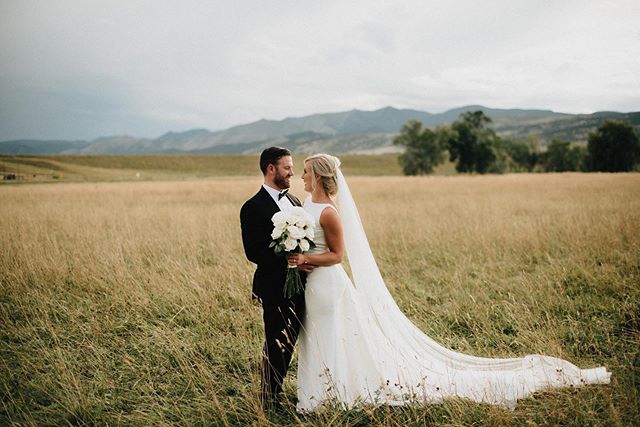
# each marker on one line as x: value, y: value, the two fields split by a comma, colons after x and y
x: 282, y: 194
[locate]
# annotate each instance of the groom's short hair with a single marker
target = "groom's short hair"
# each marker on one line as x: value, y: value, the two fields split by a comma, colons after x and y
x: 270, y: 156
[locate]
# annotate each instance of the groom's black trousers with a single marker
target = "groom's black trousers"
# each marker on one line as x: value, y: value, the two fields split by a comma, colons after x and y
x: 282, y: 322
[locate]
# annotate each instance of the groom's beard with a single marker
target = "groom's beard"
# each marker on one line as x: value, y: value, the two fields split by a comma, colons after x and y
x: 282, y: 181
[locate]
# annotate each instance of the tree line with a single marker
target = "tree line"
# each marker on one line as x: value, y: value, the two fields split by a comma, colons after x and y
x: 474, y: 147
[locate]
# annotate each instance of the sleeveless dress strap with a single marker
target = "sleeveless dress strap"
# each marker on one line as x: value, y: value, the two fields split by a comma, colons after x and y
x: 325, y: 206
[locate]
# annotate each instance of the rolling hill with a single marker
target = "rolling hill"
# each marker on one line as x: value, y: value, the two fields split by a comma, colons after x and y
x: 355, y: 131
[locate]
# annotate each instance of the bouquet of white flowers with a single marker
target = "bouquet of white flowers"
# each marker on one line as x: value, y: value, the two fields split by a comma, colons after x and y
x: 292, y: 232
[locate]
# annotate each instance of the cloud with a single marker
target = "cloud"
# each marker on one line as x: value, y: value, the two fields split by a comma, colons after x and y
x: 77, y: 69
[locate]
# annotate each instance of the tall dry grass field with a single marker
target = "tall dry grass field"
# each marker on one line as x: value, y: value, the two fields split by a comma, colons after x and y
x: 128, y: 303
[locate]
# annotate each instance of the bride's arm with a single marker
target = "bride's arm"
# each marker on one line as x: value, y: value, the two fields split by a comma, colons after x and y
x: 332, y: 227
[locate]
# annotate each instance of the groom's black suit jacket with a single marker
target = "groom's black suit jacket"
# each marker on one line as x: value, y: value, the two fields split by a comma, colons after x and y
x: 255, y: 221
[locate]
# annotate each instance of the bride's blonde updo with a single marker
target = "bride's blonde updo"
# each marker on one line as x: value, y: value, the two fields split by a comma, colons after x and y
x: 325, y: 166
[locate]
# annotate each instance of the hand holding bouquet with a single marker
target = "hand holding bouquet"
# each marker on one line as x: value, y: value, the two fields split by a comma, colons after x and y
x: 293, y: 232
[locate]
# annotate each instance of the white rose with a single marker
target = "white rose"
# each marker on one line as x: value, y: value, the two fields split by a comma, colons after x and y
x: 290, y: 244
x: 279, y: 219
x: 304, y: 245
x: 309, y: 233
x: 295, y: 232
x: 277, y: 232
x: 298, y: 212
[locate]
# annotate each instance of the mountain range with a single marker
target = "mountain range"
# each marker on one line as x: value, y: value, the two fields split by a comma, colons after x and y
x: 355, y: 131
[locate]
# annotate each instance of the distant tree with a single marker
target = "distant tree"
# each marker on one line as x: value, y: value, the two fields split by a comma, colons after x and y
x: 562, y: 157
x: 520, y: 156
x: 501, y: 162
x: 471, y: 144
x: 613, y: 147
x: 424, y: 148
x: 578, y: 157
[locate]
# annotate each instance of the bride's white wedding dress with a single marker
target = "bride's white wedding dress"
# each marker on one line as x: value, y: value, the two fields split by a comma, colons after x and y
x: 356, y: 346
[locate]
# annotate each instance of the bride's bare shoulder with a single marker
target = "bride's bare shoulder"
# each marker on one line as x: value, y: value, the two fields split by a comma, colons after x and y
x: 329, y: 216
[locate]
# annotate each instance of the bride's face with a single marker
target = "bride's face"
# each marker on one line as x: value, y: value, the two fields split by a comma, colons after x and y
x: 307, y: 178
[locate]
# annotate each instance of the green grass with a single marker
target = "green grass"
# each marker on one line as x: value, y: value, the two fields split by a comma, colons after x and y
x: 127, y: 303
x: 158, y: 167
x: 175, y: 167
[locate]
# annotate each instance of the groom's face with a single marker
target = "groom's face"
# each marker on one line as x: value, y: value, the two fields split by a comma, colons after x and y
x: 283, y: 172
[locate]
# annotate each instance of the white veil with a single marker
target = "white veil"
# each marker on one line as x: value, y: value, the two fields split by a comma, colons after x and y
x: 414, y: 355
x: 373, y: 292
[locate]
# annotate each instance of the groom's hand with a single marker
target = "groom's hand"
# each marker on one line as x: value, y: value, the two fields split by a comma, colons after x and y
x: 306, y: 268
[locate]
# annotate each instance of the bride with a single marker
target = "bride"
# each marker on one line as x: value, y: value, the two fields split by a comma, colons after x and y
x: 356, y: 346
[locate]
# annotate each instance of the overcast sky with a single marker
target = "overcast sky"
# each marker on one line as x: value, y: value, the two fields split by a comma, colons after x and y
x: 82, y: 69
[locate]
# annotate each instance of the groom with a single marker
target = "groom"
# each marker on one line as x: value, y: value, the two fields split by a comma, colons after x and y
x: 281, y: 316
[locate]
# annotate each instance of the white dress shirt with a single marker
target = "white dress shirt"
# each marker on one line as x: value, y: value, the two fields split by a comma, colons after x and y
x: 284, y: 203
